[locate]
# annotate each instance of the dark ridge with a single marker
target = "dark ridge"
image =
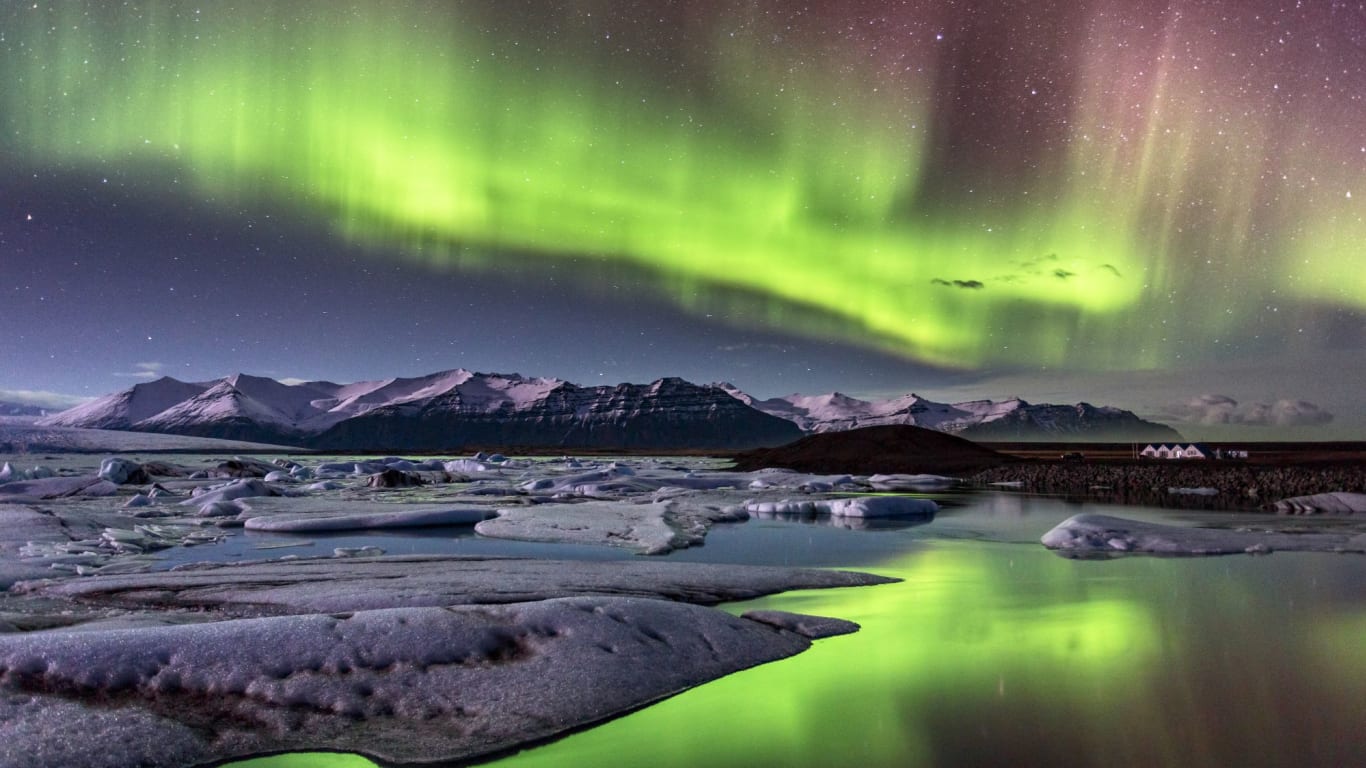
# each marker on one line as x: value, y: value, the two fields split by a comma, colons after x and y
x: 896, y: 449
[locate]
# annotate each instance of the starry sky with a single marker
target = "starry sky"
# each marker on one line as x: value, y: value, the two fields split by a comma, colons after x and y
x: 1156, y: 205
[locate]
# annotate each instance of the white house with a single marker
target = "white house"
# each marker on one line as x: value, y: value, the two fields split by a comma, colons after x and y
x: 1176, y: 451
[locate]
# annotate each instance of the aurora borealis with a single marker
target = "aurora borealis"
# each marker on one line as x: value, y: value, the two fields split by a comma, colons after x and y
x: 947, y: 193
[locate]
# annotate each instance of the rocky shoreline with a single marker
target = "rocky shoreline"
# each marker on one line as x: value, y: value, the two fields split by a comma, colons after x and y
x: 1192, y: 485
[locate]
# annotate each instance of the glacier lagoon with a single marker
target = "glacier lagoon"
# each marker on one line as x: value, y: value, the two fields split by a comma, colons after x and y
x: 994, y: 650
x: 991, y: 650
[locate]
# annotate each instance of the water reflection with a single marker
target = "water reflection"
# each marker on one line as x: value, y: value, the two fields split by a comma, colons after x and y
x: 991, y: 654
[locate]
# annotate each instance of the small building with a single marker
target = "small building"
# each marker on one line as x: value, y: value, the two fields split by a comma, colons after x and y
x: 1175, y: 451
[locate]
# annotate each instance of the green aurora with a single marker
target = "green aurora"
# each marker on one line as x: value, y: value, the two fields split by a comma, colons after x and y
x: 806, y: 179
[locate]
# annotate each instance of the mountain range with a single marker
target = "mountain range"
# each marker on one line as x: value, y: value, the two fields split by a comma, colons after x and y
x: 1007, y: 420
x: 457, y: 409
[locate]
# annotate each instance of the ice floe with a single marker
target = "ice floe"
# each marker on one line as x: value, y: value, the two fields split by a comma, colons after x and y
x: 651, y: 529
x: 237, y: 489
x: 1340, y: 503
x: 120, y: 471
x: 323, y: 585
x: 911, y: 482
x: 1102, y: 534
x: 57, y: 487
x: 858, y: 506
x: 405, y: 517
x: 402, y: 685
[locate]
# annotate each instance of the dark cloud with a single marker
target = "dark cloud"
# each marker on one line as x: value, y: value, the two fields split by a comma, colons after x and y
x: 1222, y: 409
x: 1062, y: 274
x: 1112, y: 268
x: 970, y: 284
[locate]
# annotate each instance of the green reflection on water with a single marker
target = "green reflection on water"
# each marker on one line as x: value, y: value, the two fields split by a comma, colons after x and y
x: 995, y: 654
x: 964, y: 621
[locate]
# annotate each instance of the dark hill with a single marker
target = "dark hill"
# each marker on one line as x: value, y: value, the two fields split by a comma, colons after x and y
x: 896, y: 449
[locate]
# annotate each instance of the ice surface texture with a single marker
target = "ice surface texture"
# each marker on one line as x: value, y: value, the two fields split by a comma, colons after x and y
x: 402, y: 685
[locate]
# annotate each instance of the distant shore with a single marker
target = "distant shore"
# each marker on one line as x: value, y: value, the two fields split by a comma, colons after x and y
x: 1236, y: 485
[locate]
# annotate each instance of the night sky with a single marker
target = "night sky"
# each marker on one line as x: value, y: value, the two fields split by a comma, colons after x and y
x: 1156, y: 205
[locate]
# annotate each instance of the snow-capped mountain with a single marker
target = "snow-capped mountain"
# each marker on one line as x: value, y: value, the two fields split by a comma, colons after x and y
x: 1012, y: 419
x: 441, y: 411
x: 502, y: 411
x: 123, y: 409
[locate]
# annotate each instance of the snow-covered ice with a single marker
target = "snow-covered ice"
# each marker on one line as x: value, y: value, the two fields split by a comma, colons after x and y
x: 1340, y: 503
x: 858, y: 506
x: 403, y: 685
x: 409, y: 516
x: 1102, y: 534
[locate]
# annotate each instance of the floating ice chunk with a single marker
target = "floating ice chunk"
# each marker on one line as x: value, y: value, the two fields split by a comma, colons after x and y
x: 1337, y: 503
x: 465, y: 466
x: 279, y: 476
x: 491, y: 490
x: 221, y: 508
x: 244, y: 466
x: 238, y: 489
x: 883, y: 506
x: 1105, y: 534
x: 911, y: 482
x: 59, y: 487
x: 786, y: 507
x: 366, y: 551
x: 582, y: 483
x: 404, y: 517
x: 858, y: 506
x: 160, y: 492
x: 138, y: 501
x: 1193, y: 491
x: 325, y: 485
x: 121, y: 471
x: 641, y: 527
x: 343, y: 467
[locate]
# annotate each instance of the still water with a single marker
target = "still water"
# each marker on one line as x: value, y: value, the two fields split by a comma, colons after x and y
x: 994, y: 651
